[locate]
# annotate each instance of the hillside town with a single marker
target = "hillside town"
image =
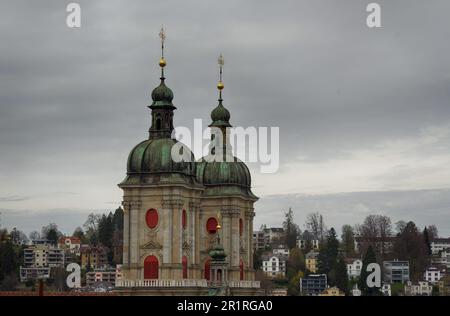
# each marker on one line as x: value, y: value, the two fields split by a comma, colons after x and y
x: 313, y: 261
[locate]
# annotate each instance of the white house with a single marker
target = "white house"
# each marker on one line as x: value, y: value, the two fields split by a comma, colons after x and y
x: 354, y: 267
x: 439, y: 244
x: 421, y: 289
x: 386, y: 289
x: 433, y: 275
x: 274, y: 265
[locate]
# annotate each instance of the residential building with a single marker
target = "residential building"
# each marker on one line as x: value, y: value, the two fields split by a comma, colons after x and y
x: 40, y: 241
x: 72, y: 244
x: 356, y: 291
x: 442, y: 258
x: 423, y: 288
x: 279, y: 291
x: 386, y: 289
x: 380, y: 244
x: 311, y: 261
x: 332, y: 291
x: 439, y: 244
x: 259, y: 240
x: 273, y: 234
x: 41, y: 255
x: 307, y: 241
x: 396, y: 271
x: 313, y: 284
x: 94, y: 257
x: 354, y: 267
x: 281, y: 250
x: 33, y: 273
x: 102, y: 275
x: 274, y: 265
x: 433, y: 274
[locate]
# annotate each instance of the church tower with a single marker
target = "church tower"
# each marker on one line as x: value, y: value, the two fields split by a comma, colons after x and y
x: 172, y: 209
x: 161, y: 200
x: 227, y: 184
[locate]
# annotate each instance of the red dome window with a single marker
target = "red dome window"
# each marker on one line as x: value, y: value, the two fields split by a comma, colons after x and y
x: 241, y: 227
x: 211, y: 225
x: 184, y: 219
x: 151, y: 218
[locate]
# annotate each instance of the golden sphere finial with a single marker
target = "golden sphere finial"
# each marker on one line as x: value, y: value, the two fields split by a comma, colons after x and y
x: 162, y: 62
x: 220, y: 85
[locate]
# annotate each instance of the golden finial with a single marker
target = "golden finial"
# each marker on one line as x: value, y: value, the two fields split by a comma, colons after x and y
x: 221, y: 62
x: 218, y: 227
x: 162, y: 36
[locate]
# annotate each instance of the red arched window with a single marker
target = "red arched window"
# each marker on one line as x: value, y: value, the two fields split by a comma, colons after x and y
x: 241, y: 227
x: 208, y: 269
x: 241, y: 270
x: 151, y: 267
x: 184, y: 263
x: 184, y: 219
x: 151, y: 218
x: 211, y: 225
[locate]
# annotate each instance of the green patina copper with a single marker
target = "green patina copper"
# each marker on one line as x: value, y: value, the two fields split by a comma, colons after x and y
x: 162, y: 95
x: 154, y: 156
x: 217, y: 253
x: 220, y: 116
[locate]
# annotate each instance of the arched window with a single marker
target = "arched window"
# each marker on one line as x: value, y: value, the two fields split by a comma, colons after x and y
x: 184, y: 263
x: 151, y: 267
x: 151, y: 218
x: 219, y: 275
x: 184, y: 219
x: 208, y: 269
x: 241, y: 270
x: 158, y: 123
x: 211, y: 225
x: 241, y: 227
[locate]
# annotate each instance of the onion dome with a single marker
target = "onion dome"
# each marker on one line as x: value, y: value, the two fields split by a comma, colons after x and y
x: 229, y: 176
x: 162, y: 95
x: 217, y: 253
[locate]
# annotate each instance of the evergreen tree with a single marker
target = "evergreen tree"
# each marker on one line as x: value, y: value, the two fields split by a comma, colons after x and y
x: 368, y: 258
x: 328, y: 254
x: 426, y: 239
x: 291, y: 229
x: 341, y: 277
x: 295, y: 263
x: 52, y: 236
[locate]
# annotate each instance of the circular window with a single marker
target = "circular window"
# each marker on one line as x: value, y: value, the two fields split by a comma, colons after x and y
x: 211, y: 225
x: 151, y: 218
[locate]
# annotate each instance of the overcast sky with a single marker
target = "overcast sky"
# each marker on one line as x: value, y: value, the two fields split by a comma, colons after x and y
x: 364, y: 114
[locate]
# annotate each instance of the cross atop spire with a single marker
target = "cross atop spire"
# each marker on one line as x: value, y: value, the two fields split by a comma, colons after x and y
x: 162, y: 61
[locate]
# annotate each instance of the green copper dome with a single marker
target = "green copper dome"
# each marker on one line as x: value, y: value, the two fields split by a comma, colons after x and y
x: 220, y: 116
x: 153, y: 156
x: 218, y: 253
x: 225, y: 177
x: 162, y: 95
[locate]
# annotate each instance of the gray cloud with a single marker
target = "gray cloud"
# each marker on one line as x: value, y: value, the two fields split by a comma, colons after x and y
x: 73, y: 101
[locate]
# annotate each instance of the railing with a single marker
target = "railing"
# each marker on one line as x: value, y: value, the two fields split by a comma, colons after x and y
x: 183, y: 283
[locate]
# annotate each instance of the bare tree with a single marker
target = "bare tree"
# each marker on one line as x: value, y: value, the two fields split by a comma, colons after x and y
x: 35, y: 235
x: 432, y: 232
x: 348, y: 240
x: 316, y: 225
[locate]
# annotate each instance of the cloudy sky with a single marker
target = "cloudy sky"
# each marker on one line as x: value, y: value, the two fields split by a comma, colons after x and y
x: 364, y: 114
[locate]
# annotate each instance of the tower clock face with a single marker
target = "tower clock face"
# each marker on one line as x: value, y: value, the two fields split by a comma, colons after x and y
x: 151, y: 218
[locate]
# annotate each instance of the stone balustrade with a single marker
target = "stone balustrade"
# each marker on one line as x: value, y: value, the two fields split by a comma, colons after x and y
x: 182, y: 283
